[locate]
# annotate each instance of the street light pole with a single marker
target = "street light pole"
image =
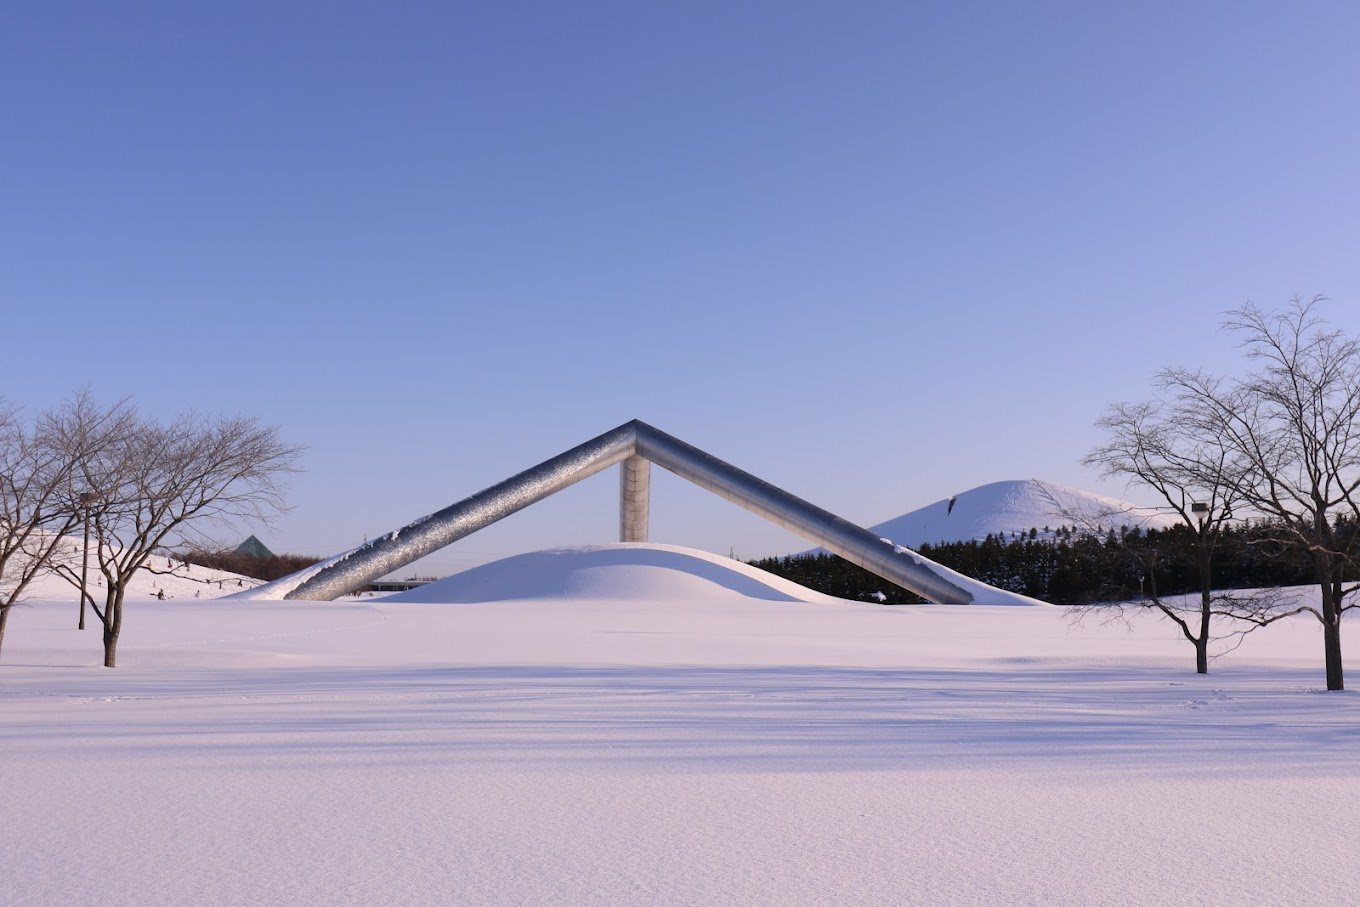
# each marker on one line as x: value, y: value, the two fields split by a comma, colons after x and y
x: 86, y: 499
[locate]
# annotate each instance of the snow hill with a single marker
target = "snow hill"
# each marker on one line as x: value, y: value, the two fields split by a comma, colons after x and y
x: 1014, y: 507
x: 642, y: 572
x: 175, y: 578
x: 619, y: 572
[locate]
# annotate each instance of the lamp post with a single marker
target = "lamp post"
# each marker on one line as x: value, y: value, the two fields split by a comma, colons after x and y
x: 86, y: 499
x: 1201, y: 510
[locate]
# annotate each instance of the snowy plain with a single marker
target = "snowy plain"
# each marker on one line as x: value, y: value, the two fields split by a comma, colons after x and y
x: 655, y: 748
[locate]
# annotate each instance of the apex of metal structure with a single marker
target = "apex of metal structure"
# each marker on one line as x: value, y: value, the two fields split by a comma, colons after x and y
x: 634, y: 445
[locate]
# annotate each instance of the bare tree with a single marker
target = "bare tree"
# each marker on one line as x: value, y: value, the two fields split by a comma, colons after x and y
x: 1150, y: 445
x: 80, y: 429
x: 31, y: 516
x: 39, y: 460
x: 156, y: 486
x: 1291, y: 429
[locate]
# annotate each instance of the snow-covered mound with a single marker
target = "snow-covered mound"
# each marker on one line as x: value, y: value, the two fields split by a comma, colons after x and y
x: 173, y: 577
x: 633, y: 572
x: 1015, y: 507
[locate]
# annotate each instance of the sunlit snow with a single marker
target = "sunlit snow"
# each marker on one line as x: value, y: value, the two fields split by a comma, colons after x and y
x: 664, y: 743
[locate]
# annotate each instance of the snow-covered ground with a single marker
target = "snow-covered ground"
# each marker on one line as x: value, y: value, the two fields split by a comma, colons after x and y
x: 708, y: 749
x: 624, y: 571
x: 173, y: 577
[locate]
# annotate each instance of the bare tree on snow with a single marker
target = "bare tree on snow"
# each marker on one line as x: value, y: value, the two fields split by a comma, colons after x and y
x: 1291, y: 430
x: 39, y: 461
x: 1151, y: 445
x: 157, y: 486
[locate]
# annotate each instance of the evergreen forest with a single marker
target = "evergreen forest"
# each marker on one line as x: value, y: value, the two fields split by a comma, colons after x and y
x: 1071, y: 567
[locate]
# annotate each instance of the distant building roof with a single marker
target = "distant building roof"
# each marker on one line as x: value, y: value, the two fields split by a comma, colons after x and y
x: 253, y: 547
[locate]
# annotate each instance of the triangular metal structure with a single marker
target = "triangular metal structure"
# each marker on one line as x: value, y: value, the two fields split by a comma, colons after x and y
x: 633, y: 446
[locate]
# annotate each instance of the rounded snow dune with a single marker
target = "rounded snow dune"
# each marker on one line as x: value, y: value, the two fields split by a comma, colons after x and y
x: 631, y: 572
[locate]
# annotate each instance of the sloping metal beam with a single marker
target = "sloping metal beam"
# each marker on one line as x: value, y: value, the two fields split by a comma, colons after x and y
x: 821, y: 527
x: 633, y: 445
x: 380, y: 556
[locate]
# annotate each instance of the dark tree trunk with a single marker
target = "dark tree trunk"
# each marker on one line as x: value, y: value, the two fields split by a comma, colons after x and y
x: 1202, y: 640
x: 1206, y: 597
x: 1331, y: 634
x: 1331, y: 644
x: 4, y: 618
x: 113, y: 625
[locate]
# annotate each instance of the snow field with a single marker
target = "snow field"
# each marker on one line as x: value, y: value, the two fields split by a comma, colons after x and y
x: 711, y: 751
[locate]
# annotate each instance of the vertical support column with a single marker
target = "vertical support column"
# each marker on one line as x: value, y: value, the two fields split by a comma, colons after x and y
x: 635, y: 489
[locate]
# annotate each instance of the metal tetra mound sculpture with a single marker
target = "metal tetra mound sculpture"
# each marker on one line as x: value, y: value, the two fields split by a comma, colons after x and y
x: 633, y: 446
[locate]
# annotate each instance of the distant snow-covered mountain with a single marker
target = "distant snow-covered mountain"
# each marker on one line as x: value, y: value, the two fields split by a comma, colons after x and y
x: 1015, y: 507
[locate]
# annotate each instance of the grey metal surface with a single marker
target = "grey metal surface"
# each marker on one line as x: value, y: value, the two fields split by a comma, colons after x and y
x: 632, y: 445
x: 837, y: 535
x: 395, y: 550
x: 635, y: 488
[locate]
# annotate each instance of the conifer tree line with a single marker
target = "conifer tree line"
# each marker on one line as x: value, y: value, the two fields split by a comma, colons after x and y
x: 1070, y: 566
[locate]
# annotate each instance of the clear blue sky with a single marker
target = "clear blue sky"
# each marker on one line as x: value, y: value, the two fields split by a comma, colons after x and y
x: 876, y: 253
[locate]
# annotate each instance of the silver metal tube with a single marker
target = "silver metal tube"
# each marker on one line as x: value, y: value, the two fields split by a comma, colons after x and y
x: 395, y: 550
x: 632, y: 445
x: 839, y: 536
x: 635, y: 488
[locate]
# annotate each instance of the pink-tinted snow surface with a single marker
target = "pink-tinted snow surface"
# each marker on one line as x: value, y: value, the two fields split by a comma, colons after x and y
x: 722, y: 750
